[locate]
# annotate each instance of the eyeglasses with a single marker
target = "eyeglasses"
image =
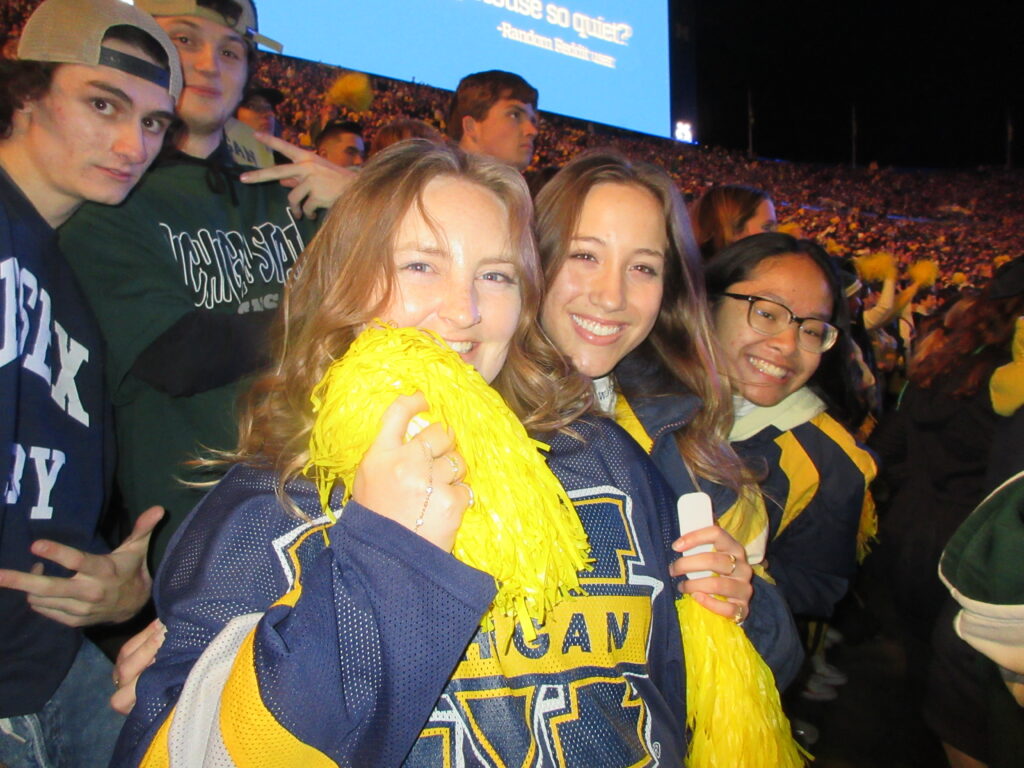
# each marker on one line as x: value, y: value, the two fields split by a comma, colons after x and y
x: 771, y: 318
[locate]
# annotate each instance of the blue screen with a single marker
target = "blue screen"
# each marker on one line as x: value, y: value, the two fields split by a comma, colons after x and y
x: 600, y: 60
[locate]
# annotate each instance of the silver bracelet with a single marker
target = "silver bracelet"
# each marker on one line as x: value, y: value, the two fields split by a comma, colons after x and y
x: 426, y: 501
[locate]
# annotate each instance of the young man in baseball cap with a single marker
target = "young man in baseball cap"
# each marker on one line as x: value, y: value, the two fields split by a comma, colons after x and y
x: 186, y: 275
x: 83, y: 112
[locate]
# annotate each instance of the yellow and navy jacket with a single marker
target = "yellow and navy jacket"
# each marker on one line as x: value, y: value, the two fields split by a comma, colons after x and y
x: 653, y: 422
x: 820, y: 511
x: 296, y: 642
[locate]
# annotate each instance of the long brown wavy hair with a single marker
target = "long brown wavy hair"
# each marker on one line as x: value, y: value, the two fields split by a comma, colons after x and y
x: 680, y: 348
x: 958, y: 360
x: 327, y: 303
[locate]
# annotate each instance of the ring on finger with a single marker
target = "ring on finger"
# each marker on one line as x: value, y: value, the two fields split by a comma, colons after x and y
x: 117, y: 680
x: 739, y: 615
x: 732, y: 559
x: 426, y: 501
x: 472, y: 496
x: 454, y: 463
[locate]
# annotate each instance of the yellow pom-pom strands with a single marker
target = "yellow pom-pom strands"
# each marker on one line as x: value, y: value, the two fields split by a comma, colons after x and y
x: 924, y: 273
x: 352, y: 90
x: 875, y: 267
x: 732, y: 705
x: 522, y: 528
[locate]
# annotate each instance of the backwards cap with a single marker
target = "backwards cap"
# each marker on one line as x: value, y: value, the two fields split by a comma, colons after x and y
x: 239, y: 15
x: 72, y: 32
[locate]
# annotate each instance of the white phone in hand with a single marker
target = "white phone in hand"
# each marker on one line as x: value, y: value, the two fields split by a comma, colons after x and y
x: 694, y: 512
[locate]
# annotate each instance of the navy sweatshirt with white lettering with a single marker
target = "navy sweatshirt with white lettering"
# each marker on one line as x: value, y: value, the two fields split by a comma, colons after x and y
x: 55, y: 437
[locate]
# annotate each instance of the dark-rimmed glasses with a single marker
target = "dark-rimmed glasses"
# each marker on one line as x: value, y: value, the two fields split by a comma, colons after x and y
x: 772, y: 318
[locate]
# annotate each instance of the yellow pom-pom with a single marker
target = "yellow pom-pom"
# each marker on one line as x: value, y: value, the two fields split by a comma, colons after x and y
x: 791, y: 228
x: 523, y: 528
x: 867, y: 528
x: 958, y: 278
x: 875, y: 267
x: 998, y: 261
x: 1007, y: 383
x: 352, y: 90
x: 732, y: 704
x: 924, y: 273
x: 834, y: 248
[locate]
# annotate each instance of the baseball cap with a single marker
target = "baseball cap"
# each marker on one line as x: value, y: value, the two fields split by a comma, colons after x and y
x: 273, y: 96
x: 72, y: 32
x: 239, y: 15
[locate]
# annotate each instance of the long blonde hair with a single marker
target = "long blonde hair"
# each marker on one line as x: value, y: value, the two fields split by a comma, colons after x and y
x: 327, y: 304
x: 681, y: 345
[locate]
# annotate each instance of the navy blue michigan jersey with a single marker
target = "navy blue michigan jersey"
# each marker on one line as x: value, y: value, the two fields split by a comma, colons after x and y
x: 304, y: 643
x: 819, y: 508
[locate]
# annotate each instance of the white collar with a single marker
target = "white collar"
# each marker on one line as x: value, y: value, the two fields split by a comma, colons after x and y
x: 796, y: 409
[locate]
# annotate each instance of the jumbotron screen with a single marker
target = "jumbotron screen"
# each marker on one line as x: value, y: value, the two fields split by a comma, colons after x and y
x: 600, y: 60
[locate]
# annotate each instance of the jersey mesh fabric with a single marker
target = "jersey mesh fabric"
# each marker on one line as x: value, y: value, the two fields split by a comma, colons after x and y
x: 361, y: 666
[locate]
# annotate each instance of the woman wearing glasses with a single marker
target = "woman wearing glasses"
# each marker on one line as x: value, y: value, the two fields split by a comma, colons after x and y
x: 783, y: 329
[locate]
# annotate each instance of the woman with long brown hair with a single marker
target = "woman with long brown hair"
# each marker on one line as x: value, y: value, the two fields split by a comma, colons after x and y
x: 626, y: 304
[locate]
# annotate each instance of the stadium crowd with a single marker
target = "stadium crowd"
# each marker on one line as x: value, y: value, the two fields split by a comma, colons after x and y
x: 813, y: 362
x: 965, y: 219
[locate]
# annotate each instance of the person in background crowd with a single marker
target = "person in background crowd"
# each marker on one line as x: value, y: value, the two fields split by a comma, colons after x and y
x: 495, y: 113
x: 729, y: 213
x: 937, y: 450
x: 257, y: 109
x: 83, y: 112
x: 341, y: 142
x: 981, y: 568
x: 255, y: 114
x: 399, y: 130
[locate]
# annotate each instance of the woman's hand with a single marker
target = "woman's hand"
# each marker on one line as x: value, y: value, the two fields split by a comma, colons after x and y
x: 416, y: 482
x: 135, y: 655
x: 728, y: 561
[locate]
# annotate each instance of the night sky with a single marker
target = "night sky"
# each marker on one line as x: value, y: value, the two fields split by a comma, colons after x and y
x: 932, y: 83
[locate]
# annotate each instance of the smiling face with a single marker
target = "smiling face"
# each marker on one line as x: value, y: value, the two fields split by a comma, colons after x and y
x: 506, y: 133
x: 213, y: 59
x: 455, y: 274
x: 90, y: 137
x: 766, y: 369
x: 607, y: 294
